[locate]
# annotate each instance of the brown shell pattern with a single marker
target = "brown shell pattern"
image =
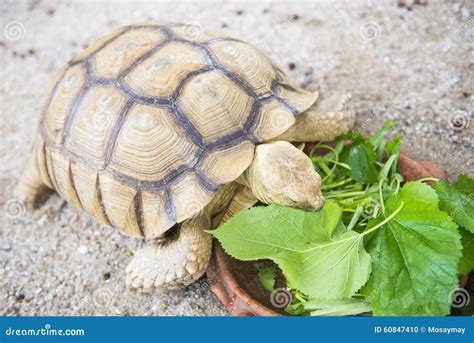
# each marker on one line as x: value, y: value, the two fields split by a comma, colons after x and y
x: 143, y: 127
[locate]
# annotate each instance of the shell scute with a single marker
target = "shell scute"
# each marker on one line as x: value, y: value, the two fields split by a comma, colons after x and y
x: 143, y: 128
x: 150, y: 144
x: 124, y: 51
x: 90, y: 130
x: 214, y: 105
x: 160, y: 74
x: 247, y: 62
x: 62, y: 102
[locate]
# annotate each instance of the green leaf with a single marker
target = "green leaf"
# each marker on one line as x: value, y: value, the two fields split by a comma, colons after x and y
x: 316, y: 253
x: 466, y: 264
x: 458, y: 200
x: 378, y: 138
x: 296, y: 309
x: 380, y: 150
x: 393, y: 148
x: 414, y: 256
x: 337, y: 307
x: 387, y: 167
x: 361, y: 157
x: 266, y: 276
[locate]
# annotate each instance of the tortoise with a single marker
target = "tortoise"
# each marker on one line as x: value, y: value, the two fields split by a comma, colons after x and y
x: 163, y: 130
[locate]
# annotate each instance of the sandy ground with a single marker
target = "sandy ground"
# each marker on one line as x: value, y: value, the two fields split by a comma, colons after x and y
x: 411, y: 62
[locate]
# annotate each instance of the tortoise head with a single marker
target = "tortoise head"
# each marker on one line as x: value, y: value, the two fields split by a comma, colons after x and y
x: 282, y: 174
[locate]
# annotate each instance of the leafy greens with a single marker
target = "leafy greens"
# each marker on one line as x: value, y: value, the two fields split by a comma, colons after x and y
x: 402, y: 245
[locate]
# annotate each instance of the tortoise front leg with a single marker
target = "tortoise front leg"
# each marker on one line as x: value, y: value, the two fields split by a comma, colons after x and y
x: 324, y: 121
x: 182, y: 256
x: 242, y: 200
x: 174, y: 262
x: 282, y: 174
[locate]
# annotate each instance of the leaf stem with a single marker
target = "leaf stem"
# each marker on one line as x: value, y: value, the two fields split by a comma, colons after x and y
x: 355, y: 217
x: 323, y: 167
x: 382, y: 205
x: 346, y: 195
x: 336, y: 184
x: 385, y: 221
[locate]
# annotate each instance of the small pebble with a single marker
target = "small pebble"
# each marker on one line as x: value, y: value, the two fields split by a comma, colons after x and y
x: 42, y: 221
x: 295, y: 17
x: 82, y: 250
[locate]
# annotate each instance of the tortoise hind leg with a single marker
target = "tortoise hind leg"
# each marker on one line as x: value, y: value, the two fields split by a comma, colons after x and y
x: 31, y: 190
x: 174, y: 262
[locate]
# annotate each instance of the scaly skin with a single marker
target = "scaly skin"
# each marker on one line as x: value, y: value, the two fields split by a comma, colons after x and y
x: 324, y: 121
x: 242, y: 200
x: 172, y: 263
x: 181, y: 259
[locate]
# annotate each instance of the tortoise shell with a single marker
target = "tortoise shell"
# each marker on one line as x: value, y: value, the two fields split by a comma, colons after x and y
x: 143, y: 127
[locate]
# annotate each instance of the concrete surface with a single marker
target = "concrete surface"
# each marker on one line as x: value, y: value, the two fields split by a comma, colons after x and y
x: 410, y: 61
